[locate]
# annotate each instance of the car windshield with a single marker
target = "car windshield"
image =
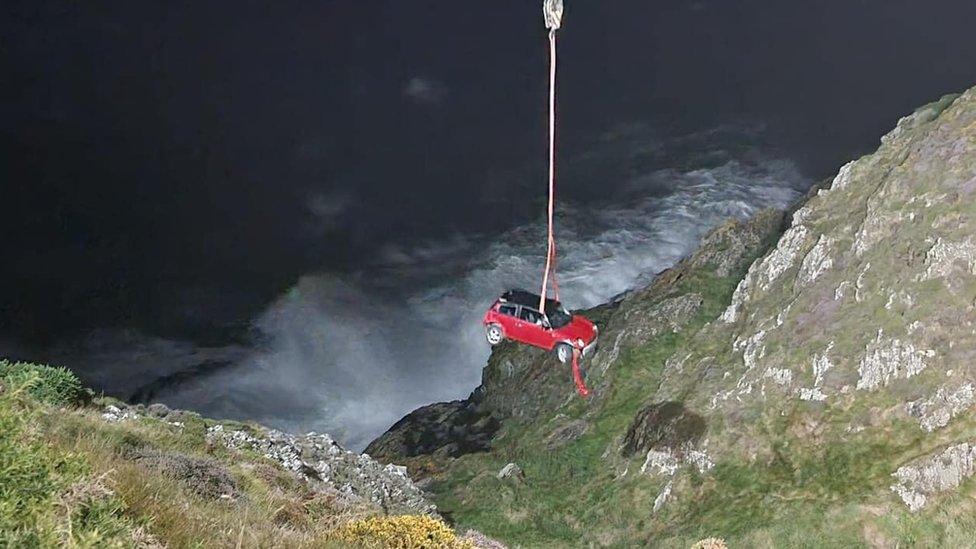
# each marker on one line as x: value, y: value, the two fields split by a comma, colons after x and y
x: 559, y: 318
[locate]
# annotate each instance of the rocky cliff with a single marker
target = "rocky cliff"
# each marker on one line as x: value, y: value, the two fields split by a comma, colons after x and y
x: 805, y: 383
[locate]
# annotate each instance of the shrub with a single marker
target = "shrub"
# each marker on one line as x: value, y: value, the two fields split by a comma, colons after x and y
x: 28, y: 476
x: 400, y: 532
x: 47, y: 498
x: 56, y: 386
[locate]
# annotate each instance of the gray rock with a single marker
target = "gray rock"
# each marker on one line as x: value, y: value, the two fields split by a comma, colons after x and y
x: 936, y: 412
x: 511, y: 471
x: 924, y: 478
x: 481, y: 541
x: 663, y: 425
x: 448, y: 429
x: 328, y: 467
x: 114, y: 414
x: 888, y: 359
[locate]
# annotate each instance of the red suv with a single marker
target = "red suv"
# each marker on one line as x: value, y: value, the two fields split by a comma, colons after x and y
x: 516, y: 316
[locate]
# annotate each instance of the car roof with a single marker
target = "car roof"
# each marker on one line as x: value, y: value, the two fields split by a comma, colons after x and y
x: 528, y: 299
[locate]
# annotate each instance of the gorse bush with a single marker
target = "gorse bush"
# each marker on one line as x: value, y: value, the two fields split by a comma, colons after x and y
x: 47, y: 498
x: 400, y: 532
x: 27, y: 475
x: 55, y: 386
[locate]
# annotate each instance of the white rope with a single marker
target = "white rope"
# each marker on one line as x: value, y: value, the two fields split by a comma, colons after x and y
x: 552, y: 155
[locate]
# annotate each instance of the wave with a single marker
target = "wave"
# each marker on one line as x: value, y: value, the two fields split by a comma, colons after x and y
x: 352, y: 354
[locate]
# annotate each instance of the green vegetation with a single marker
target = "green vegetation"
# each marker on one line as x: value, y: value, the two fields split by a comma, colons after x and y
x: 584, y: 492
x: 809, y: 482
x: 50, y: 496
x: 70, y: 478
x: 578, y: 491
x: 56, y: 386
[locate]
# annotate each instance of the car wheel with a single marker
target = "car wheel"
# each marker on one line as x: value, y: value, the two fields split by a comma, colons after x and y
x: 494, y: 334
x: 564, y: 353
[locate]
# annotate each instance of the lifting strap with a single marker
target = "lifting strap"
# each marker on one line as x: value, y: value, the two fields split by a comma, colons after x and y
x: 577, y: 375
x: 553, y: 13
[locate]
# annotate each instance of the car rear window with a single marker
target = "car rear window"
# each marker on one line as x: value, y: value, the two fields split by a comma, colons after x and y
x: 507, y: 310
x: 560, y: 317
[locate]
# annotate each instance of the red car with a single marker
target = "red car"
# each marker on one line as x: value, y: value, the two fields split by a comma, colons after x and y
x: 515, y: 315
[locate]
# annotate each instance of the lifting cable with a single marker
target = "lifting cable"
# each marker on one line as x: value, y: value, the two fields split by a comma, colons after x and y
x: 553, y: 12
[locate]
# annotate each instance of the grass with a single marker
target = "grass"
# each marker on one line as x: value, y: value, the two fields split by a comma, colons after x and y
x: 69, y: 478
x: 49, y: 496
x: 569, y: 490
x: 794, y: 494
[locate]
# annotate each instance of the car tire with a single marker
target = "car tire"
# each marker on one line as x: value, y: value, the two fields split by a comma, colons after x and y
x: 494, y: 334
x: 564, y: 353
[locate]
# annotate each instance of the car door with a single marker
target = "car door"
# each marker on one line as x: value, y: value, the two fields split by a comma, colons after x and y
x: 508, y: 318
x: 533, y: 329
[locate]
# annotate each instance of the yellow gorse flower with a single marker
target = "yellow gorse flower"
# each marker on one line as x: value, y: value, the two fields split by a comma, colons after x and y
x: 401, y: 532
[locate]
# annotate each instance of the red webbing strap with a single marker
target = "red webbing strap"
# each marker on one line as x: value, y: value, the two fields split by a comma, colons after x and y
x: 578, y: 377
x: 555, y: 267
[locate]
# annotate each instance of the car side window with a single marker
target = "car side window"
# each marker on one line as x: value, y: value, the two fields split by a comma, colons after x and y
x: 507, y: 310
x: 529, y: 315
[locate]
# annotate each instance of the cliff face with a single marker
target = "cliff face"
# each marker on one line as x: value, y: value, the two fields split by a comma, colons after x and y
x: 822, y: 395
x: 857, y: 332
x: 521, y: 384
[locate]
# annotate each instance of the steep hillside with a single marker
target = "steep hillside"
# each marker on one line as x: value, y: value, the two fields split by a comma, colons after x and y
x: 76, y: 471
x: 821, y: 396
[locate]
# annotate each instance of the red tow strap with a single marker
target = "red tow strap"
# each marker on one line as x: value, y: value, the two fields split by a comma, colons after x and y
x: 578, y: 377
x: 553, y: 10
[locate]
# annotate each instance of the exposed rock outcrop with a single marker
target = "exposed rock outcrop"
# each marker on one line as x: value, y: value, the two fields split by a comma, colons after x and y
x: 667, y: 424
x: 447, y: 429
x: 315, y: 458
x: 920, y: 480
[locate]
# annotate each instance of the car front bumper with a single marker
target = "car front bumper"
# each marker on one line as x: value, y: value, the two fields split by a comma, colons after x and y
x: 591, y: 348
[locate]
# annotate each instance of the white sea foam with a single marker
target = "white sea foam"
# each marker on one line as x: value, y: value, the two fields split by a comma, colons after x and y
x: 351, y: 354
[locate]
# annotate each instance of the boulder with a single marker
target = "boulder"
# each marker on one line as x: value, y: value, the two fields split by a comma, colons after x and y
x: 511, y: 471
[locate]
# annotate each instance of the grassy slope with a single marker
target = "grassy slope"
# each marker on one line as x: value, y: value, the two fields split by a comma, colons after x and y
x: 573, y: 492
x: 806, y: 498
x: 805, y: 495
x: 68, y: 478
